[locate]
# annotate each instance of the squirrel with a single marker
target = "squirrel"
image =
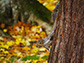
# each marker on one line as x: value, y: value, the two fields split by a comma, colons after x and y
x: 46, y: 42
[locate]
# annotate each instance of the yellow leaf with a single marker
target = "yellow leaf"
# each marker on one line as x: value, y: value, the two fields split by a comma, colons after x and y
x: 5, y: 46
x: 10, y: 43
x: 37, y: 31
x: 19, y: 54
x: 6, y: 52
x: 33, y: 46
x: 46, y: 62
x: 41, y: 1
x: 35, y: 50
x: 1, y: 43
x: 26, y: 48
x: 39, y: 26
x: 17, y: 42
x: 2, y: 49
x: 23, y: 42
x: 2, y: 57
x: 35, y: 61
x: 4, y: 30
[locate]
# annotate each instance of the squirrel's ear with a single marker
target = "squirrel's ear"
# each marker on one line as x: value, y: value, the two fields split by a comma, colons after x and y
x: 54, y: 15
x: 55, y: 12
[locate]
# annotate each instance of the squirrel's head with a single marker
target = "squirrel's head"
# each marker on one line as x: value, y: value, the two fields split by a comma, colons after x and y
x: 39, y: 43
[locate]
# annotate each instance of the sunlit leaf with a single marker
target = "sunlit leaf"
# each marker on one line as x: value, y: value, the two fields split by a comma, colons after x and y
x: 35, y: 50
x: 45, y: 57
x: 4, y: 30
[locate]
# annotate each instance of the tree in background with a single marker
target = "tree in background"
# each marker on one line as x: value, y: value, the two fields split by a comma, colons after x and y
x: 22, y: 10
x: 67, y: 46
x: 5, y: 11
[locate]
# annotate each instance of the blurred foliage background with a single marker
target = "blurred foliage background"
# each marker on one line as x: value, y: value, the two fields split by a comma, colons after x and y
x: 22, y: 24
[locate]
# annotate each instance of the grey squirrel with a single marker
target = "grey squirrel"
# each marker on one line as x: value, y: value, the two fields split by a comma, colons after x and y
x: 46, y: 42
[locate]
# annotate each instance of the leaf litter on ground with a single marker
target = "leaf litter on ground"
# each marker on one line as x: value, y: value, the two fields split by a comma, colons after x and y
x: 21, y: 48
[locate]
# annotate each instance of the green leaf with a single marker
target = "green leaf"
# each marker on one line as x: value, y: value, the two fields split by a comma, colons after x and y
x: 44, y: 57
x: 25, y: 58
x: 34, y: 57
x: 12, y: 58
x: 2, y: 59
x: 7, y: 62
x: 6, y: 34
x: 29, y: 46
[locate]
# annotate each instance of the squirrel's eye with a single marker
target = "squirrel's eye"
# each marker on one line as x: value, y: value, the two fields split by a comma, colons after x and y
x: 39, y: 42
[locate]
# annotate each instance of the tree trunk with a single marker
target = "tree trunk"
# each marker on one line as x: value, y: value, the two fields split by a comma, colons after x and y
x: 27, y: 7
x: 5, y: 12
x: 12, y: 11
x: 68, y: 42
x: 37, y: 9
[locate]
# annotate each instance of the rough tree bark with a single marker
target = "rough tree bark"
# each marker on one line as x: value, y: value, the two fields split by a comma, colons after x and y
x: 68, y: 40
